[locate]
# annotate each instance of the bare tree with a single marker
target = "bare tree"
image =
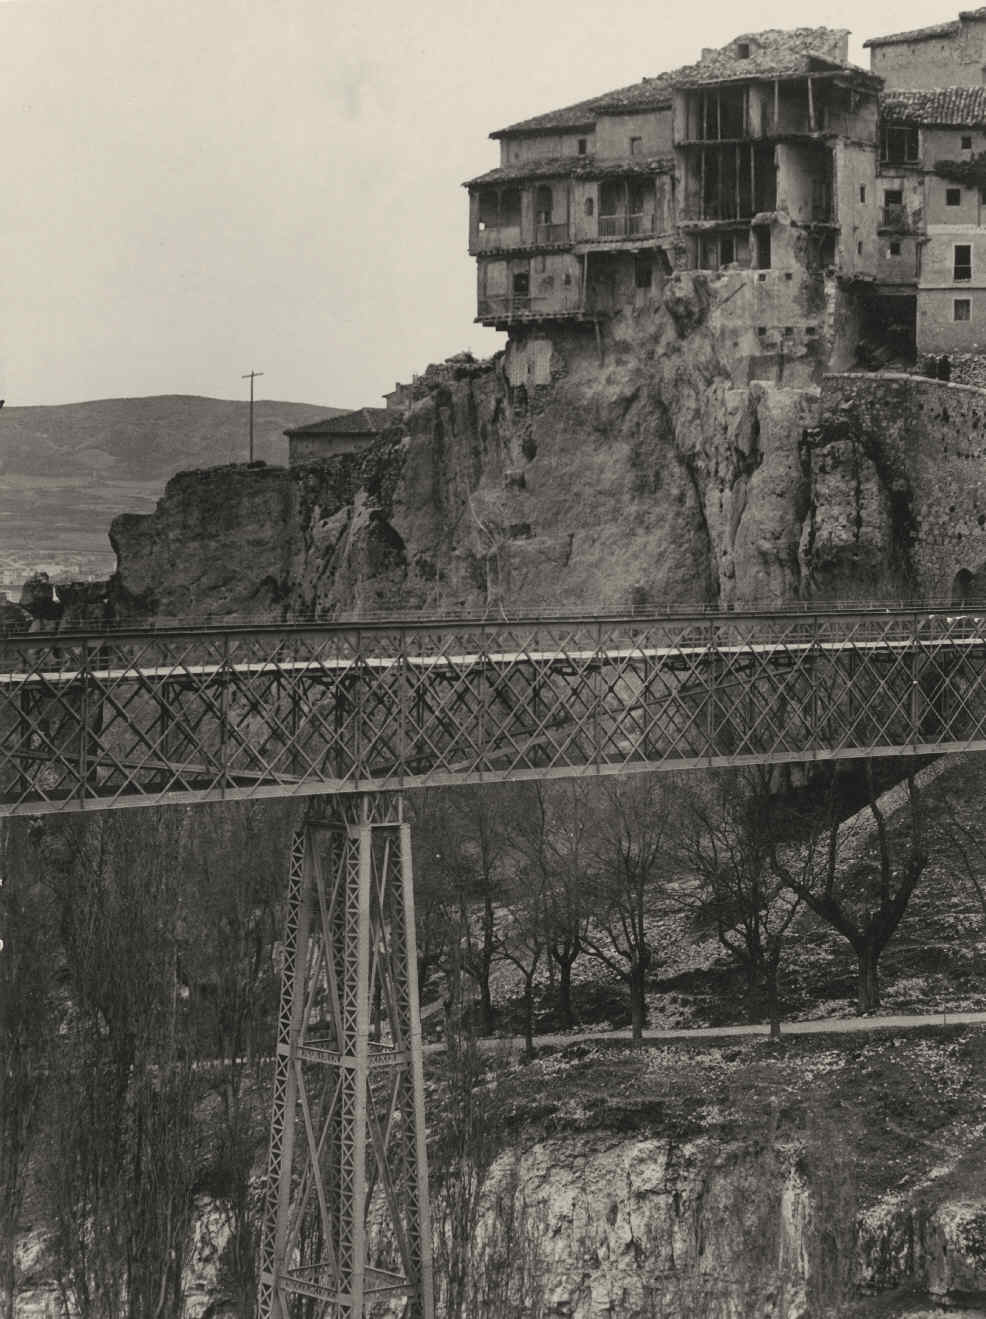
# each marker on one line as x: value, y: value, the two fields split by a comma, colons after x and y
x: 727, y: 841
x: 120, y: 1165
x: 863, y: 898
x: 631, y: 824
x: 552, y: 841
x: 28, y: 962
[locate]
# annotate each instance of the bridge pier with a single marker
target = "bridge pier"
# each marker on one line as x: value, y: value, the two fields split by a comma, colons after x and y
x: 346, y: 1217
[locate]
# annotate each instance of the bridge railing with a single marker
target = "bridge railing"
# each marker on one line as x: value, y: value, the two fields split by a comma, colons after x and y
x: 121, y: 718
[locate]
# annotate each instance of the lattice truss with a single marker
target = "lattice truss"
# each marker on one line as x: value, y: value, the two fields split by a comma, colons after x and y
x: 148, y: 718
x: 346, y: 1219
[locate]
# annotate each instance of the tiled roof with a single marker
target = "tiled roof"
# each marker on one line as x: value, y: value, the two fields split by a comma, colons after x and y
x: 949, y: 29
x: 578, y: 167
x: 648, y: 94
x: 362, y: 421
x: 917, y: 34
x: 773, y: 54
x: 960, y: 106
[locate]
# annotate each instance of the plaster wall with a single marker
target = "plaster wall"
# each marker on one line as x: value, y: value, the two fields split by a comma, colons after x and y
x: 544, y: 146
x: 946, y: 61
x: 554, y: 282
x: 770, y: 324
x: 613, y: 133
x: 967, y: 212
x: 902, y: 266
x: 855, y: 168
x: 917, y: 447
x: 938, y: 262
x: 799, y: 166
x: 938, y: 330
x: 946, y: 144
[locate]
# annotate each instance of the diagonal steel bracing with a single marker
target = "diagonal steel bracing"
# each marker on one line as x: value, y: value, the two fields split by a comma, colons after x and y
x: 350, y: 715
x: 104, y: 720
x: 346, y: 1215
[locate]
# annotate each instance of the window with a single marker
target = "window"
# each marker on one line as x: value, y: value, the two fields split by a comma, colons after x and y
x: 522, y: 285
x: 899, y: 144
x: 636, y: 146
x: 862, y: 192
x: 742, y: 50
x: 727, y: 250
x: 962, y: 268
x: 583, y: 145
x: 895, y: 249
x: 590, y: 205
x: 642, y: 269
x: 953, y: 196
x: 859, y: 248
x: 893, y: 197
x: 961, y: 309
x: 763, y: 247
x: 967, y: 142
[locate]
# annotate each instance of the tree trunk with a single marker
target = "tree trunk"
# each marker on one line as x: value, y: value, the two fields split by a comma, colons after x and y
x: 773, y: 1003
x: 485, y: 1004
x: 638, y: 1002
x: 868, y: 984
x: 565, y: 992
x: 7, y: 1276
x: 528, y: 1018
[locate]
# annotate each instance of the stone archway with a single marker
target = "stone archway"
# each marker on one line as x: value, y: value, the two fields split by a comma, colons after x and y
x: 968, y: 587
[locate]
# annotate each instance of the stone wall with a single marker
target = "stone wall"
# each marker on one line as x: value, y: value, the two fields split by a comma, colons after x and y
x: 898, y: 475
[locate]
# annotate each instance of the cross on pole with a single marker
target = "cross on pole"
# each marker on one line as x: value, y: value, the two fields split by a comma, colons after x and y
x: 251, y: 376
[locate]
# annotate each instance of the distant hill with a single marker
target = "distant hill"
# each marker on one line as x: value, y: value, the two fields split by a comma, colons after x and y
x: 145, y: 439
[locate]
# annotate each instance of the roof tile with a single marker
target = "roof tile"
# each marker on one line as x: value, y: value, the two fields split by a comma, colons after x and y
x: 577, y: 167
x: 361, y: 421
x: 960, y: 106
x: 917, y: 34
x: 650, y: 93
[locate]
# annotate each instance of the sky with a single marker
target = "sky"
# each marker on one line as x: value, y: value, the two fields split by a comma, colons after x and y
x: 194, y: 189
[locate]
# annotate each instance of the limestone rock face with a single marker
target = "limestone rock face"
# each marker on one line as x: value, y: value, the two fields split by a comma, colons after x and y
x: 598, y: 1226
x: 641, y: 474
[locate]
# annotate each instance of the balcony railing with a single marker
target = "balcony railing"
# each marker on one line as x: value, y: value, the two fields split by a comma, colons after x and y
x: 496, y: 236
x: 625, y: 226
x: 505, y: 304
x: 551, y: 233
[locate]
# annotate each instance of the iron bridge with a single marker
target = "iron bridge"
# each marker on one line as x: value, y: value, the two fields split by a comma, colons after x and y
x: 352, y: 715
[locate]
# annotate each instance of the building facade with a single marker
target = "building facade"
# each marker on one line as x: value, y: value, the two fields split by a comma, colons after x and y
x: 771, y: 159
x: 758, y: 160
x: 349, y: 432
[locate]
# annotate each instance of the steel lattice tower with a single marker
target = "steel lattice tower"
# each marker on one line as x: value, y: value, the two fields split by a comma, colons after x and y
x: 346, y: 1215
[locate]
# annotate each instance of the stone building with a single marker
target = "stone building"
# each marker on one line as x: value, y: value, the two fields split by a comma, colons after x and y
x: 949, y: 54
x: 759, y: 158
x: 347, y: 433
x: 772, y: 160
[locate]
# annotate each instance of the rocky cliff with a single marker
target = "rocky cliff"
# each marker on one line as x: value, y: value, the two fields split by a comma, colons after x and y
x: 661, y: 461
x: 645, y: 468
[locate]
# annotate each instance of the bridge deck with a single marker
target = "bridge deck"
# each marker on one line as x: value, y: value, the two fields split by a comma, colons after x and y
x: 92, y: 721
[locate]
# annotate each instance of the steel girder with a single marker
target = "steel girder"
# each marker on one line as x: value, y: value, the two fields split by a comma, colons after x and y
x: 346, y: 1215
x: 130, y: 719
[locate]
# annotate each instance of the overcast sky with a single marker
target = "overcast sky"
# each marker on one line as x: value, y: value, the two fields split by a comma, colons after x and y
x: 195, y: 188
